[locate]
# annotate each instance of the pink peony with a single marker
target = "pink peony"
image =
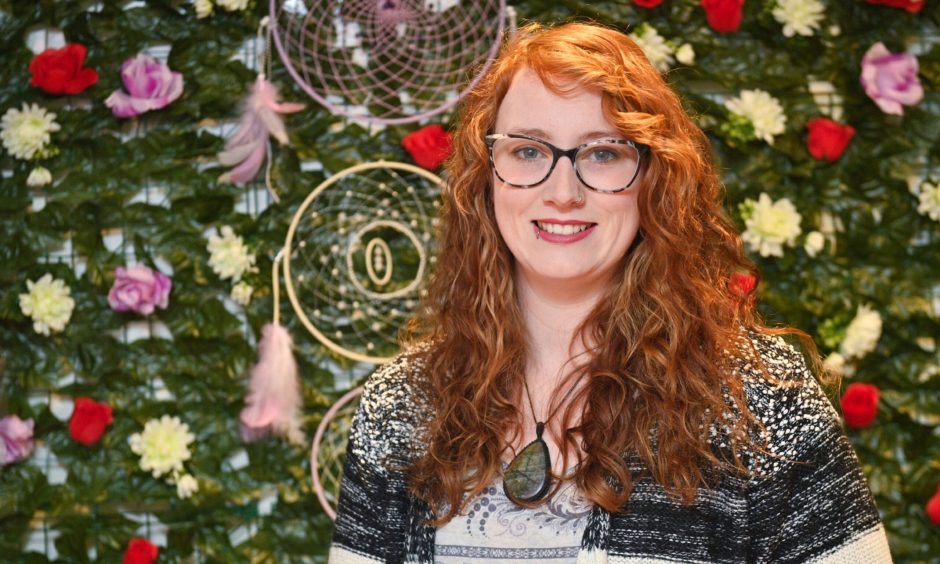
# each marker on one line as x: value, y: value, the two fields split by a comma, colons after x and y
x: 139, y: 289
x: 16, y: 439
x: 150, y: 85
x: 890, y: 79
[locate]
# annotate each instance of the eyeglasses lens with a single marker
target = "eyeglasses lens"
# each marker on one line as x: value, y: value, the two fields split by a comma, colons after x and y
x: 605, y: 167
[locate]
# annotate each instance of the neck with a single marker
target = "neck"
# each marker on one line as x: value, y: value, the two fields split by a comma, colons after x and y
x: 552, y: 314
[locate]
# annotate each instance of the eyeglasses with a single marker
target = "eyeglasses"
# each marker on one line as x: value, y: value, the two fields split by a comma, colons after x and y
x: 605, y: 165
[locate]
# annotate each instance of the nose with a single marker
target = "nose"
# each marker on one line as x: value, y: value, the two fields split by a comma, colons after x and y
x: 563, y: 188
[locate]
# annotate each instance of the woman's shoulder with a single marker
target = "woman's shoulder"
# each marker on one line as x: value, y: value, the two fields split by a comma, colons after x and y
x: 391, y: 409
x: 393, y: 389
x: 784, y: 396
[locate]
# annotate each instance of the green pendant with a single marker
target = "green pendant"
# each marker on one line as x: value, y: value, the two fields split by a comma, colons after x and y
x: 529, y: 476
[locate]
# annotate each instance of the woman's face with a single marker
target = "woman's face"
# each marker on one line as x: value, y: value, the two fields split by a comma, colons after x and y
x: 555, y: 237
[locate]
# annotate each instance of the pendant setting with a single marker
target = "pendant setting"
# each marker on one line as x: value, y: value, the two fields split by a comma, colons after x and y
x: 529, y: 476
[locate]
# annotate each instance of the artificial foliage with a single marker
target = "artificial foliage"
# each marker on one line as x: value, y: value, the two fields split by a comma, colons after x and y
x: 254, y: 501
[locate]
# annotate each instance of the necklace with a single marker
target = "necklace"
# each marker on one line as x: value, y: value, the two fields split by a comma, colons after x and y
x: 529, y: 476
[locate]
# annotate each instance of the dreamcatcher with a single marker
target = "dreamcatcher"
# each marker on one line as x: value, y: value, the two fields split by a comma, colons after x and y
x: 356, y: 254
x: 387, y: 61
x: 354, y: 260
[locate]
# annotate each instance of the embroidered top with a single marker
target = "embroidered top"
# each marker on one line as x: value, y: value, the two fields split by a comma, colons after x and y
x: 494, y: 529
x: 805, y: 501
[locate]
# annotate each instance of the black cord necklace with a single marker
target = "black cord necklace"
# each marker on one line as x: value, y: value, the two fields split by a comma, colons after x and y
x: 529, y: 476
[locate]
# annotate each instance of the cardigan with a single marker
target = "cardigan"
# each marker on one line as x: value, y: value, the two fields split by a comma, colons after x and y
x: 805, y: 498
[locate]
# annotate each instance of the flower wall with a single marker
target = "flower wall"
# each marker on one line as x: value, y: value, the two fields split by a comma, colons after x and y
x: 135, y: 270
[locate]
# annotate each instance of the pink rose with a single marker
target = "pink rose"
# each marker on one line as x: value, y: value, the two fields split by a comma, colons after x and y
x: 890, y: 79
x: 139, y: 289
x: 16, y: 439
x: 150, y: 85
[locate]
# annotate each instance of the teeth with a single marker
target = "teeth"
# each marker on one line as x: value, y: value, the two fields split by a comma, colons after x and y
x: 558, y: 229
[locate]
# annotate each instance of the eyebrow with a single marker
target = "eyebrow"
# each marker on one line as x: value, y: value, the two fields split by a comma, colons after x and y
x: 584, y: 138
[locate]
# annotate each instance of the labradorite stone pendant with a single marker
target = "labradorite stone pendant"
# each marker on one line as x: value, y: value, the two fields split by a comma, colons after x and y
x: 529, y: 475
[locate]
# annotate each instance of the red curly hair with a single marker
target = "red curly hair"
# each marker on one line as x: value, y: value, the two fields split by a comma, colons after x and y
x: 657, y: 376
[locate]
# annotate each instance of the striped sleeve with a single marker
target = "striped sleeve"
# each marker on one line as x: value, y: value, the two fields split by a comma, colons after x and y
x: 810, y: 501
x: 371, y: 519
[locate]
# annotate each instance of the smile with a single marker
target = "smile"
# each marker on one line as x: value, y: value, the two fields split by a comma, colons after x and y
x: 562, y: 229
x: 563, y: 232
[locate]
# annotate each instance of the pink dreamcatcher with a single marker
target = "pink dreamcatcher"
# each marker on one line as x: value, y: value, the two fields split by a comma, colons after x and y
x: 387, y: 61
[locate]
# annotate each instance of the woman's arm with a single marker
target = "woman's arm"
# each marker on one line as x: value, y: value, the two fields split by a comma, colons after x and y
x: 812, y: 502
x: 371, y: 520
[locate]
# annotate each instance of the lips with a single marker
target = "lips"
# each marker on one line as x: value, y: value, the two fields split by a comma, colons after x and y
x: 562, y: 231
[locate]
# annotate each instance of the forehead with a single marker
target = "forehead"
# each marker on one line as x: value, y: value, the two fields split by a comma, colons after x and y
x: 529, y: 106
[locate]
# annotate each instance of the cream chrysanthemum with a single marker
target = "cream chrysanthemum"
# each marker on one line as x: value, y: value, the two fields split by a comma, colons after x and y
x: 229, y: 257
x: 770, y: 225
x: 685, y: 54
x: 799, y: 17
x: 186, y: 486
x: 39, y: 176
x: 163, y: 446
x: 241, y: 293
x: 762, y: 110
x: 27, y: 132
x: 203, y: 8
x: 48, y: 303
x: 657, y: 49
x: 862, y: 334
x: 929, y: 198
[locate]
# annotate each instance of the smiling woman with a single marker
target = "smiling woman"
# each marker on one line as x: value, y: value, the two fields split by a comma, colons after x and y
x: 581, y: 382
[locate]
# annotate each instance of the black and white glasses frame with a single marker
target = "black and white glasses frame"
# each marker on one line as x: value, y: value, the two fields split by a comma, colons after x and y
x: 572, y: 154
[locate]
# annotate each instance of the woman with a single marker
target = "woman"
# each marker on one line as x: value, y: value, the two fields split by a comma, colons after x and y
x: 583, y: 383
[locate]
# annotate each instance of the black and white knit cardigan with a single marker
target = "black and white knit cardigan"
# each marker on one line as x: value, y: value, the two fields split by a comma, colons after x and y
x: 810, y: 503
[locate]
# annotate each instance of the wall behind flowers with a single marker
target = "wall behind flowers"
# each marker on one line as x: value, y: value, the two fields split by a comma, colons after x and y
x: 134, y: 287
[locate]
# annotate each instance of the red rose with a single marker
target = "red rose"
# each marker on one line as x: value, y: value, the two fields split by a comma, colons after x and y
x: 647, y: 3
x: 860, y: 405
x: 59, y: 71
x: 827, y: 139
x: 742, y: 283
x: 723, y: 15
x: 429, y: 146
x: 140, y: 551
x: 933, y: 507
x: 912, y: 6
x: 89, y: 420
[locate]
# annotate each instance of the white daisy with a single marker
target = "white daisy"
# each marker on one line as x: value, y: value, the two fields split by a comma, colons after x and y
x: 27, y: 132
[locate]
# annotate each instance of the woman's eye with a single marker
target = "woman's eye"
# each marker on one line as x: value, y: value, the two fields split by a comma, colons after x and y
x: 603, y: 155
x: 528, y: 153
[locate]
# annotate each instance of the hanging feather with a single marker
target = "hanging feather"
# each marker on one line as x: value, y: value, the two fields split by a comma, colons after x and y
x: 261, y: 117
x: 274, y: 403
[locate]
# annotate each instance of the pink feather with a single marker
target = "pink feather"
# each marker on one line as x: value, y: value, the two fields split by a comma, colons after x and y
x: 274, y: 404
x: 261, y: 117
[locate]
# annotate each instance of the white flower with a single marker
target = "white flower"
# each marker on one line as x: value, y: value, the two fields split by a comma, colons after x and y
x: 186, y: 486
x: 862, y: 334
x: 229, y: 257
x: 834, y: 363
x: 685, y: 54
x: 48, y: 303
x: 657, y: 50
x: 763, y: 111
x: 203, y: 8
x: 163, y: 446
x: 232, y: 5
x: 799, y: 16
x: 770, y: 225
x: 26, y: 133
x: 241, y: 293
x: 39, y: 176
x: 929, y: 197
x: 815, y: 241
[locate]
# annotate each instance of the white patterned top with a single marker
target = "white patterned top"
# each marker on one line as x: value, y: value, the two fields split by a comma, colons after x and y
x: 494, y: 529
